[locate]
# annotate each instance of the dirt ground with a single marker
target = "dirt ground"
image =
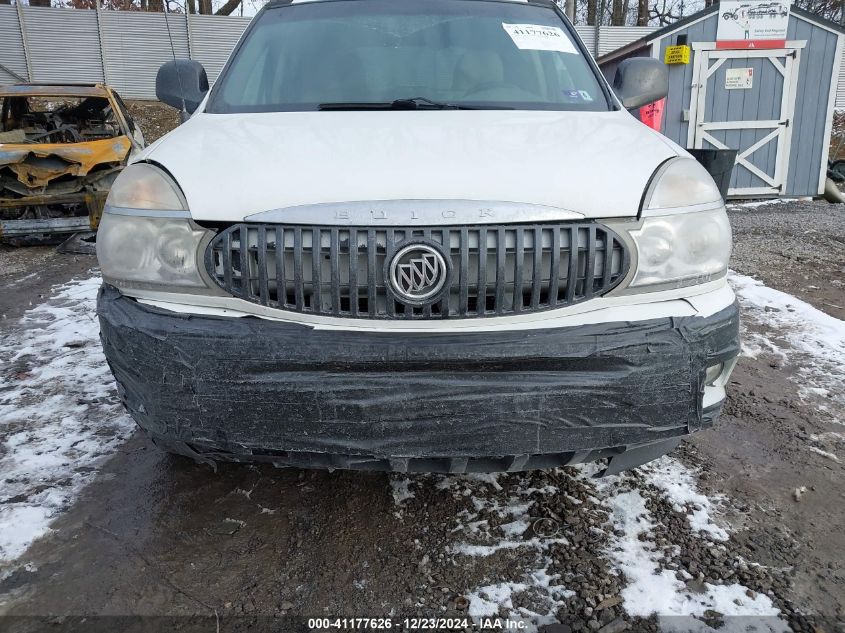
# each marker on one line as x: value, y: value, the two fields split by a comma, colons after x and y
x: 797, y: 247
x: 256, y: 548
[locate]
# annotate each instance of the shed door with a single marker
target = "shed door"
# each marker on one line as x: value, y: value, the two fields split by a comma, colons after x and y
x: 744, y: 100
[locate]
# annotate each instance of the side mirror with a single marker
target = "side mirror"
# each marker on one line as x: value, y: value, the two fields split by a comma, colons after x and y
x: 640, y: 81
x: 182, y: 83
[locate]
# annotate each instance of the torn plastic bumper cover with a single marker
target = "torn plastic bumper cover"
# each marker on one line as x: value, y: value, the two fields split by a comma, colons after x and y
x: 249, y: 389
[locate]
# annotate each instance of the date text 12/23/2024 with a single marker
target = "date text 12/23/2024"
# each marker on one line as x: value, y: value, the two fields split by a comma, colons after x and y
x: 416, y: 624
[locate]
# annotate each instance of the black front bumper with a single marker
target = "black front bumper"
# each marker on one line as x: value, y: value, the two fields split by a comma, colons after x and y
x: 249, y: 389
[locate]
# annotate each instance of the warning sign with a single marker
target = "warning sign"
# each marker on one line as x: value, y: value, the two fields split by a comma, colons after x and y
x: 676, y: 55
x: 739, y: 78
x: 752, y: 24
x: 652, y: 114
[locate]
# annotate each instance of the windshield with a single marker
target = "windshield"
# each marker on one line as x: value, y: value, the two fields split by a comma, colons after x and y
x: 408, y: 54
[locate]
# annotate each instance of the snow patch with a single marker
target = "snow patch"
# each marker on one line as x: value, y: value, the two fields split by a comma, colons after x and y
x: 654, y: 591
x: 486, y: 601
x: 677, y: 484
x: 826, y: 454
x: 401, y: 489
x: 497, y: 599
x: 468, y: 549
x: 815, y: 340
x: 515, y: 528
x: 738, y: 206
x: 650, y: 589
x: 20, y: 525
x: 536, y: 597
x: 488, y: 478
x: 60, y: 416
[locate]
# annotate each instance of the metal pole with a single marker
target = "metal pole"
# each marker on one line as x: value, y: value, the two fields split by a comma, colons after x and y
x: 22, y: 24
x: 596, y: 37
x: 190, y: 40
x: 570, y: 10
x: 600, y: 9
x: 98, y: 8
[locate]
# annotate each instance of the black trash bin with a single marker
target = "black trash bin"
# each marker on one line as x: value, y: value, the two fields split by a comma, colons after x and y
x: 719, y: 163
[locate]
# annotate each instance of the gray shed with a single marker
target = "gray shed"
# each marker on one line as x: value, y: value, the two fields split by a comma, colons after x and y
x: 780, y: 125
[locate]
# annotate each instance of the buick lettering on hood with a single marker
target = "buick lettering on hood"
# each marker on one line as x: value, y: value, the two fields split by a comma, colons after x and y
x: 416, y: 236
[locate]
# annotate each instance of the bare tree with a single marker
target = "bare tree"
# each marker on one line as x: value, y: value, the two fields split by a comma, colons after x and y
x: 830, y: 9
x: 592, y: 10
x: 664, y: 12
x: 617, y: 12
x: 228, y: 8
x: 642, y: 12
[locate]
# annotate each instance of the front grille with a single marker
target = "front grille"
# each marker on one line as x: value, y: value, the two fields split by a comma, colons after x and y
x: 341, y: 271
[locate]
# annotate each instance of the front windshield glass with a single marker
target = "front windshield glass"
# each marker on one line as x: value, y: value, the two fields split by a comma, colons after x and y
x: 360, y: 54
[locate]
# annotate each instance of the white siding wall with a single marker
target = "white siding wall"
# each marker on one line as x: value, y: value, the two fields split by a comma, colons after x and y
x: 136, y: 44
x: 588, y: 34
x: 840, y: 86
x: 63, y: 44
x: 613, y: 37
x: 12, y: 56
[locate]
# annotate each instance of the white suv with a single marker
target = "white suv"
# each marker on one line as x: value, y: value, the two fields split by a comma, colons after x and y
x: 417, y: 235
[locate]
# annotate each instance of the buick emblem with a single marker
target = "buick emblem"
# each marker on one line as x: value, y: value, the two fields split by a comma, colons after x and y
x: 417, y: 273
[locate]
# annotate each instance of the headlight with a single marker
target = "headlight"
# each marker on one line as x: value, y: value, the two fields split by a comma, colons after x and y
x: 682, y: 182
x: 682, y: 249
x: 145, y: 186
x: 146, y: 235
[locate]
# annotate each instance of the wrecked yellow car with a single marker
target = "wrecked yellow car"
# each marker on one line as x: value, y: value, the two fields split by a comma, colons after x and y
x: 61, y: 147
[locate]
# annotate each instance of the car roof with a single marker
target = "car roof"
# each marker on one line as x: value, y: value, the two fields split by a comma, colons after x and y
x: 54, y: 90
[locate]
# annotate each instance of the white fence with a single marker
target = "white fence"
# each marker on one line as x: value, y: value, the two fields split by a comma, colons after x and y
x: 122, y: 48
x: 125, y: 48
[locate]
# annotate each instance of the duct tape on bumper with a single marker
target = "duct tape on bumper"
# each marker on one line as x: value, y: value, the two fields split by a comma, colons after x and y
x: 250, y: 389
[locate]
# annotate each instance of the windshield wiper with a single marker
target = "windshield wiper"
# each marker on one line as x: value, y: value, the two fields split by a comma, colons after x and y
x: 355, y: 105
x: 424, y: 103
x: 416, y: 103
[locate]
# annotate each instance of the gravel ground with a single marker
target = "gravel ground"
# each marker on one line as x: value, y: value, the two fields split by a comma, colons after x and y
x: 798, y: 247
x: 740, y: 529
x: 154, y: 118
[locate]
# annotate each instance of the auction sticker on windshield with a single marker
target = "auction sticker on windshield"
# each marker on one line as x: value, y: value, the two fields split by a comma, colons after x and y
x: 536, y: 37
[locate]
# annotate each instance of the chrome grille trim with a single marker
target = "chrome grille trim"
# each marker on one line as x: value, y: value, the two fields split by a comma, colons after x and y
x: 407, y: 213
x: 496, y: 269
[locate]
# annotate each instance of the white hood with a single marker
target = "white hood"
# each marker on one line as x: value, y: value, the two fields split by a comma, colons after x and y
x: 233, y: 165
